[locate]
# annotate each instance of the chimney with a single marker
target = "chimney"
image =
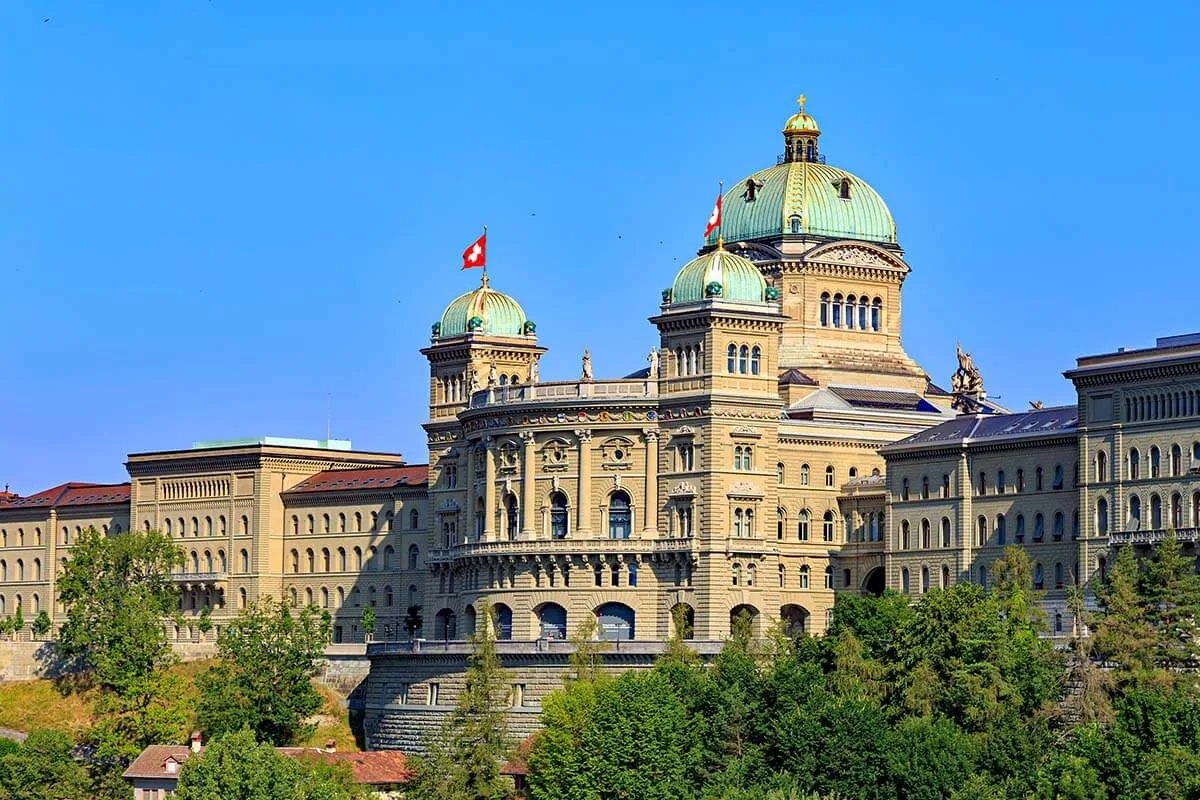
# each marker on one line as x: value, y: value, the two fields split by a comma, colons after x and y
x: 330, y: 746
x: 197, y: 741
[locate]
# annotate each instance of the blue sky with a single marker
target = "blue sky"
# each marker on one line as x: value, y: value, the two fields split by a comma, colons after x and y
x: 218, y: 218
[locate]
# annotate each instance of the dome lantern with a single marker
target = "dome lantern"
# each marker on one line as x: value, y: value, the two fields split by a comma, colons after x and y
x: 800, y: 134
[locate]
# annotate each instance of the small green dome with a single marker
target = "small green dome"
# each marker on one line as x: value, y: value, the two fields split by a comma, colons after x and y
x: 719, y: 274
x: 484, y: 310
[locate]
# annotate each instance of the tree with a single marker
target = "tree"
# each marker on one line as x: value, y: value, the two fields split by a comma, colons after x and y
x: 236, y: 767
x: 1171, y: 592
x: 413, y: 621
x: 41, y: 623
x: 268, y: 658
x: 43, y: 768
x: 1013, y: 589
x: 1088, y: 700
x: 204, y: 623
x: 19, y: 621
x: 368, y: 621
x: 116, y: 592
x: 463, y: 757
x: 587, y: 652
x: 1124, y: 635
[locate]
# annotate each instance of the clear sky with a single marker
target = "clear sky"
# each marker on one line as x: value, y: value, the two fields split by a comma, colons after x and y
x: 219, y: 218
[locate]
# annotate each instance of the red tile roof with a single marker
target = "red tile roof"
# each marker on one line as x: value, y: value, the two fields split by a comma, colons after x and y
x: 375, y: 768
x: 73, y: 494
x: 351, y: 480
x: 152, y: 761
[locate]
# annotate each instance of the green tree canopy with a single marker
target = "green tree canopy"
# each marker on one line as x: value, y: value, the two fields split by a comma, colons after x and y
x: 43, y: 768
x: 268, y: 658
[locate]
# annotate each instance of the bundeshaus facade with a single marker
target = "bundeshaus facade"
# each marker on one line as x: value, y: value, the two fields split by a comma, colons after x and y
x: 779, y: 447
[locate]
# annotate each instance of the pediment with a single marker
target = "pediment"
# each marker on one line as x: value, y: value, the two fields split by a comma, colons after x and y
x: 856, y: 254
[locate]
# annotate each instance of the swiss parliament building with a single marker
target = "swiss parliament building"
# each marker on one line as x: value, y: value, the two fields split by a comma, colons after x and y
x: 780, y: 447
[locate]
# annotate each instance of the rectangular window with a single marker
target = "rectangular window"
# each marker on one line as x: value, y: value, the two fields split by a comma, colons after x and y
x: 402, y: 694
x: 433, y: 694
x: 518, y: 695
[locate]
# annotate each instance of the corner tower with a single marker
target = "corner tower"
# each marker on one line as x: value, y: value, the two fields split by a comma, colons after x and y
x: 827, y: 242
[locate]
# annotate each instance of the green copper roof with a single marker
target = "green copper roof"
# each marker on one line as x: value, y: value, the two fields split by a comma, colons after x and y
x: 738, y: 278
x: 495, y: 313
x: 810, y: 191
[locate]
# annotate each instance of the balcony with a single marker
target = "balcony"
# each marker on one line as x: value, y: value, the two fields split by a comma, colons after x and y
x: 1153, y: 536
x: 566, y: 546
x: 199, y: 579
x: 564, y: 390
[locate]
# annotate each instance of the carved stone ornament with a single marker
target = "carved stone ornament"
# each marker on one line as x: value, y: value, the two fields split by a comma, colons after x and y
x: 852, y: 255
x: 746, y: 430
x: 744, y: 489
x: 448, y: 506
x: 683, y: 489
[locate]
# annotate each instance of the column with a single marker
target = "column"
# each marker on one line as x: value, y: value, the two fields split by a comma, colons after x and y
x: 469, y: 533
x: 489, y: 490
x: 650, y: 513
x: 583, y: 523
x: 528, y: 500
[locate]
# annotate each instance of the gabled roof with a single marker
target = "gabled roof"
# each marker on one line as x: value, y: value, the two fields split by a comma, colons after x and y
x: 933, y: 390
x: 374, y: 768
x: 152, y: 763
x: 359, y: 480
x: 794, y: 377
x: 73, y: 494
x: 1055, y: 421
x: 883, y: 399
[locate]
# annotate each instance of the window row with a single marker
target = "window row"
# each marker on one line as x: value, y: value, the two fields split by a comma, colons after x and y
x: 414, y: 522
x: 926, y: 539
x: 35, y: 604
x: 350, y: 561
x: 1162, y: 405
x: 67, y: 536
x: 19, y: 539
x: 322, y: 597
x: 803, y: 524
x: 804, y: 581
x: 851, y: 312
x: 688, y: 360
x: 35, y: 572
x: 924, y: 586
x: 805, y: 474
x: 1156, y: 512
x: 743, y: 458
x: 197, y: 562
x: 180, y: 527
x: 1175, y: 466
x: 996, y: 532
x: 743, y: 360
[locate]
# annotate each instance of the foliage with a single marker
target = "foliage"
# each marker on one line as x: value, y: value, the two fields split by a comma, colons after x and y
x: 1171, y: 591
x: 41, y: 623
x: 413, y: 621
x: 237, y: 766
x: 1124, y: 635
x: 586, y: 651
x: 116, y: 592
x: 19, y: 620
x: 368, y: 620
x: 463, y: 758
x: 43, y: 768
x: 204, y: 622
x: 268, y: 657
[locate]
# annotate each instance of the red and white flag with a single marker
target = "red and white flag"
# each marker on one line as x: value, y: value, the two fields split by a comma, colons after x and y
x: 476, y: 254
x: 714, y: 219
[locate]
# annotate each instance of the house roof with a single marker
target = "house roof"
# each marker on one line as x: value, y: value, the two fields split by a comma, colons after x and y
x: 73, y: 494
x: 151, y: 763
x: 357, y: 480
x: 374, y: 768
x: 1054, y: 421
x: 794, y: 377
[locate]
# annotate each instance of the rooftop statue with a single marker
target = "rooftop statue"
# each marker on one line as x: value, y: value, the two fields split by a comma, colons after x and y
x: 586, y: 376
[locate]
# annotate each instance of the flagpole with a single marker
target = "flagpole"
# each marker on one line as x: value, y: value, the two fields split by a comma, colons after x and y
x: 484, y: 280
x: 720, y: 221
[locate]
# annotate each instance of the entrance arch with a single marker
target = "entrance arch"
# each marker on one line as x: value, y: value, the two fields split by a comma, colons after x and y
x: 795, y: 619
x: 551, y: 621
x: 685, y: 614
x: 749, y: 612
x: 614, y: 622
x: 874, y: 583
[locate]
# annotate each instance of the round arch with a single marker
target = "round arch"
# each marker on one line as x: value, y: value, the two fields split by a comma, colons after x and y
x: 794, y: 618
x: 874, y: 582
x: 551, y: 621
x: 615, y: 622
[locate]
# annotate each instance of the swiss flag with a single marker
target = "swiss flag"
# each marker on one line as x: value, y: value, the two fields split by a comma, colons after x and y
x: 714, y: 219
x: 476, y: 254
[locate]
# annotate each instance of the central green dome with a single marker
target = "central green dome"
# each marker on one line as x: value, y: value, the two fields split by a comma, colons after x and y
x: 485, y: 311
x: 804, y: 196
x: 719, y: 275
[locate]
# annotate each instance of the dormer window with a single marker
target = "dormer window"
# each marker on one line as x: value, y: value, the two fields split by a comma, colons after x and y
x: 844, y: 188
x: 794, y: 223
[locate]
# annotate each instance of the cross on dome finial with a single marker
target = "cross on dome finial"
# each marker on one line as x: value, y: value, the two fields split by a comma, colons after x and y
x: 801, y: 100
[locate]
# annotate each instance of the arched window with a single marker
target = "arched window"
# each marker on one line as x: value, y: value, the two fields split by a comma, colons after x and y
x: 731, y: 359
x: 779, y: 473
x: 827, y: 527
x: 512, y: 517
x: 1059, y: 525
x: 341, y: 559
x: 824, y: 309
x: 755, y: 354
x: 1058, y: 575
x: 1155, y: 512
x: 325, y: 523
x: 244, y: 562
x: 245, y: 531
x: 310, y: 560
x: 1001, y: 530
x: 904, y: 583
x: 850, y: 303
x: 1039, y: 527
x: 357, y: 559
x: 738, y: 523
x: 358, y: 520
x: 1039, y: 576
x: 829, y: 577
x: 1058, y: 478
x: 737, y: 457
x: 904, y: 535
x: 1135, y: 512
x: 904, y: 489
x: 983, y: 576
x: 804, y: 576
x: 829, y: 475
x: 414, y: 553
x: 325, y: 559
x: 619, y: 516
x: 802, y: 526
x: 1102, y: 465
x: 924, y: 580
x: 804, y: 474
x: 945, y: 531
x: 837, y: 311
x: 1134, y: 464
x: 312, y: 525
x: 862, y: 313
x: 1176, y: 461
x: 924, y: 487
x: 1000, y: 483
x: 1020, y: 533
x: 981, y: 531
x: 37, y: 569
x: 876, y: 314
x: 1038, y: 484
x: 414, y: 519
x: 558, y: 516
x: 1020, y: 481
x: 295, y: 561
x: 295, y: 525
x: 743, y: 359
x: 389, y: 557
x: 615, y: 621
x: 780, y: 523
x: 945, y: 577
x: 1102, y: 516
x: 925, y: 543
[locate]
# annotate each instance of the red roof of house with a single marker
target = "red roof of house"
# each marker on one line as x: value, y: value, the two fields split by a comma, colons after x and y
x: 153, y: 760
x: 73, y: 494
x: 350, y: 480
x: 374, y: 768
